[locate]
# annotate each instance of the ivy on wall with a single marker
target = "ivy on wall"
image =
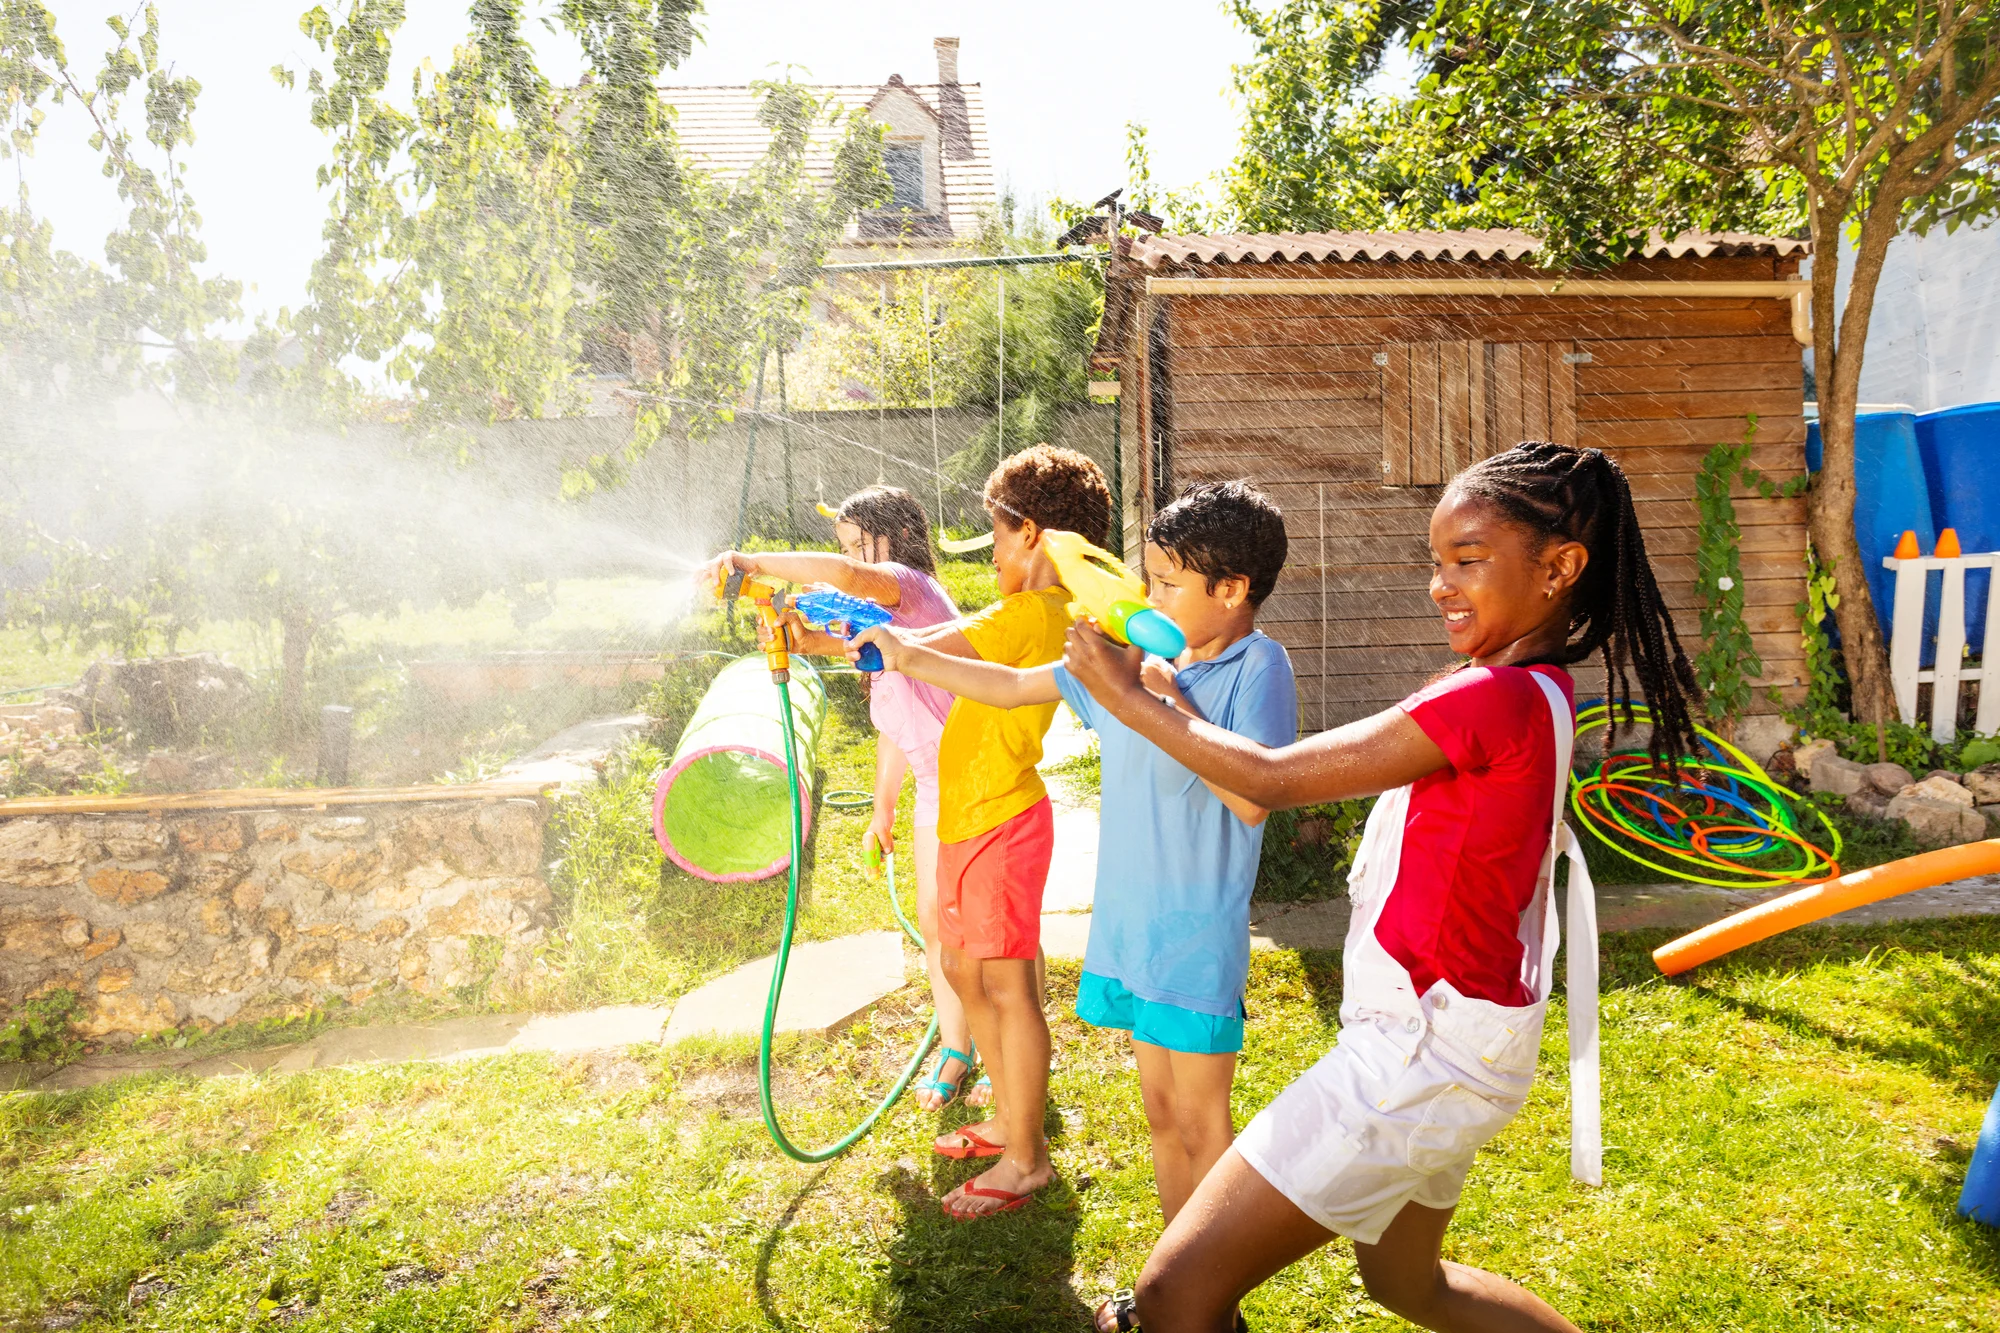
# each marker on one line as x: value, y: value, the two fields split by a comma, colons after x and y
x: 1728, y: 660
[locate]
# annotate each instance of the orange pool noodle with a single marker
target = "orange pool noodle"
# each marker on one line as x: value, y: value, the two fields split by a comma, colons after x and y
x: 1947, y: 547
x: 1823, y: 900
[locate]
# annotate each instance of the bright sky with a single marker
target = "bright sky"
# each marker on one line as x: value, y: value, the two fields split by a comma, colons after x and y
x: 1060, y: 85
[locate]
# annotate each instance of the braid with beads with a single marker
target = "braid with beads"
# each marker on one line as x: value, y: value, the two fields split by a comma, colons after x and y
x: 1581, y: 495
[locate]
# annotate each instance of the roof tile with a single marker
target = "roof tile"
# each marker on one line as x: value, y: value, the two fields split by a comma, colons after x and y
x: 1159, y: 252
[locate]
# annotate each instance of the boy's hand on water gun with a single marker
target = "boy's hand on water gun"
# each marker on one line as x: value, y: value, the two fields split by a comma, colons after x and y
x: 887, y: 642
x: 1104, y: 667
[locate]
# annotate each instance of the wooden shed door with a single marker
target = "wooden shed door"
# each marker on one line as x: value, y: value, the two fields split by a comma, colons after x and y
x: 1446, y: 405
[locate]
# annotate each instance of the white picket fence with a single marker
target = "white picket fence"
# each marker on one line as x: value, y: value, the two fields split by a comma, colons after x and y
x: 1952, y: 672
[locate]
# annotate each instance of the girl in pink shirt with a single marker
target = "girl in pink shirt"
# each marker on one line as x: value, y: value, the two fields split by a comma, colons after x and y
x: 885, y: 556
x: 1537, y: 562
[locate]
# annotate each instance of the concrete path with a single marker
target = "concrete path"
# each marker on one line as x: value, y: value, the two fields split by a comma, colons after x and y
x: 573, y: 755
x: 828, y: 985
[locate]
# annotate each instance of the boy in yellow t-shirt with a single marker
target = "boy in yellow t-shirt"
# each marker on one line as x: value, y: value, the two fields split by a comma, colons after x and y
x: 995, y: 829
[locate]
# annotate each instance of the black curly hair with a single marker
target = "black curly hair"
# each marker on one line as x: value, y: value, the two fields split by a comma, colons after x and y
x: 1058, y: 488
x: 1223, y: 530
x: 1562, y: 493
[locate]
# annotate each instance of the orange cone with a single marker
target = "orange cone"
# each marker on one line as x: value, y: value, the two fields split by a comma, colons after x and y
x: 1907, y: 548
x: 1947, y: 546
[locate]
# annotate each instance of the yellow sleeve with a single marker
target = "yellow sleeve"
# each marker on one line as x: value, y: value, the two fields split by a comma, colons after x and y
x: 1016, y: 631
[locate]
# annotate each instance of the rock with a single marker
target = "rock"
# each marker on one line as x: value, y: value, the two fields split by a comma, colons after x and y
x: 155, y: 939
x: 101, y: 943
x: 1940, y: 788
x: 1888, y: 778
x: 1804, y: 756
x: 216, y: 833
x: 1873, y: 804
x: 127, y: 887
x: 114, y: 979
x: 1760, y: 735
x: 1992, y: 814
x: 46, y: 937
x: 1832, y: 773
x: 40, y: 853
x: 160, y: 700
x: 1937, y: 823
x: 1984, y: 786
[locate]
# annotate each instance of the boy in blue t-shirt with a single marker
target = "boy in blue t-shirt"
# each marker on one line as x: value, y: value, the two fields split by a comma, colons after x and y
x: 1169, y: 934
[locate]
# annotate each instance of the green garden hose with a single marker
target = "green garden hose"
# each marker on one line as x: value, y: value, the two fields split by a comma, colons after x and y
x: 854, y: 1135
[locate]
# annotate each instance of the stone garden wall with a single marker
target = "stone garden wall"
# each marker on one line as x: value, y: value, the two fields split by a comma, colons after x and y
x: 161, y: 918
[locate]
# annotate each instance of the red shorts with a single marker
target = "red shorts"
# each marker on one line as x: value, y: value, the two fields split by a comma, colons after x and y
x: 990, y: 886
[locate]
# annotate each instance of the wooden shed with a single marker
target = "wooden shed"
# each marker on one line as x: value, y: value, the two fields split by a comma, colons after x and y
x: 1352, y: 374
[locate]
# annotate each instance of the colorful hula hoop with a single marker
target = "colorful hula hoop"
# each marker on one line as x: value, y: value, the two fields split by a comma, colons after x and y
x: 1721, y: 820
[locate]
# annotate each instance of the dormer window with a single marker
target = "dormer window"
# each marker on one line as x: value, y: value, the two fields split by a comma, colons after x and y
x: 905, y: 164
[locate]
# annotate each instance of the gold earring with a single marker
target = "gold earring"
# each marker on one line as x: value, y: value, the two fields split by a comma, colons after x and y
x: 1548, y: 594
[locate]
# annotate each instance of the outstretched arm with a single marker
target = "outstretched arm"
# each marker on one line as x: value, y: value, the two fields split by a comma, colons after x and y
x: 1359, y: 759
x: 853, y: 577
x: 967, y: 677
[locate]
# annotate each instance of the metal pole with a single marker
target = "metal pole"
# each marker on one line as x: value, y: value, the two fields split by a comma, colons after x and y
x: 930, y: 376
x: 1118, y: 477
x: 336, y: 731
x: 1000, y: 443
x: 750, y: 454
x: 882, y: 384
x: 784, y: 410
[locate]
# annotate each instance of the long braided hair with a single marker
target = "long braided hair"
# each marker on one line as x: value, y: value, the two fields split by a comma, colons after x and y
x: 1567, y: 494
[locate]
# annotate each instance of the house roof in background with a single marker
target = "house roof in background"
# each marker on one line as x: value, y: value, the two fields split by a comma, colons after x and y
x: 718, y: 127
x: 1160, y: 252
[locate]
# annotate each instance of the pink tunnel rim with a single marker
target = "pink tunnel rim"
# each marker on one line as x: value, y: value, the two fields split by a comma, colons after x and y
x: 660, y: 816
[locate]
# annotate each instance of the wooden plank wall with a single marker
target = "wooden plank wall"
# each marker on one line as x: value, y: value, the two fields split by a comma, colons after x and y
x: 1286, y: 392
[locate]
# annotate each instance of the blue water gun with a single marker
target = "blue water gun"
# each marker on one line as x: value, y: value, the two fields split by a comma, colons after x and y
x: 828, y: 608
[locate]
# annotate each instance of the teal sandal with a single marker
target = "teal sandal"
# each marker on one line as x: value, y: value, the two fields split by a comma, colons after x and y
x: 948, y: 1088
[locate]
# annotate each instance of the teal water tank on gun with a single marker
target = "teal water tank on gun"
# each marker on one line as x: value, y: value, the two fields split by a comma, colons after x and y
x: 1960, y: 448
x: 1892, y: 495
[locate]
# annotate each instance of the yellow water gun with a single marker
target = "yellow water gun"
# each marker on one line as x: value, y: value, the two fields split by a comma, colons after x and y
x: 1103, y: 589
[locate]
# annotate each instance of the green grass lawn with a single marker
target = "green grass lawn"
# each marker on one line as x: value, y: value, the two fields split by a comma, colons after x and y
x: 1786, y: 1136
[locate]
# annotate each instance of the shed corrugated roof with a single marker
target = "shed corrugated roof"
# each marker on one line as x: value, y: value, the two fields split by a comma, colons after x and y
x: 1158, y: 252
x: 718, y: 127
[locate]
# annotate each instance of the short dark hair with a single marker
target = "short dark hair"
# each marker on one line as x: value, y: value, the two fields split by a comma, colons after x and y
x: 1224, y: 530
x: 1058, y: 488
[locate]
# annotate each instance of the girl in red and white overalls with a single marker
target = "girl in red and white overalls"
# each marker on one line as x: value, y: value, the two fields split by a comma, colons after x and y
x: 1538, y: 562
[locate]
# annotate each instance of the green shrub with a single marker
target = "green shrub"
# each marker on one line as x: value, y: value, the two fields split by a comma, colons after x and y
x: 1307, y: 850
x: 41, y: 1030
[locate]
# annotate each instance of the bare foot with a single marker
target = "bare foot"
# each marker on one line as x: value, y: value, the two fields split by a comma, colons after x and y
x: 1000, y: 1186
x: 1105, y: 1318
x: 979, y: 1094
x: 931, y: 1099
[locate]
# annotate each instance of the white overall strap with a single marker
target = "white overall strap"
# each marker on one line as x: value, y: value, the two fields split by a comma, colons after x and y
x: 1586, y: 1129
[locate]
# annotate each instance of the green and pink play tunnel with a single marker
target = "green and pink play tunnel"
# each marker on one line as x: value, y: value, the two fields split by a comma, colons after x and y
x: 721, y: 809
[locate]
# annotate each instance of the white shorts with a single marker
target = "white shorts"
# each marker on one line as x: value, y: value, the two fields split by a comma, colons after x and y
x: 1380, y: 1122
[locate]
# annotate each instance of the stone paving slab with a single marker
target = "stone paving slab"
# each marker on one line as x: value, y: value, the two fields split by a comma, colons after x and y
x: 572, y: 755
x: 828, y: 984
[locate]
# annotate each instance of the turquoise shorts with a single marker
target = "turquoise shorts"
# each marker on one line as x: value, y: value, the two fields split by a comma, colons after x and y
x: 1104, y: 1003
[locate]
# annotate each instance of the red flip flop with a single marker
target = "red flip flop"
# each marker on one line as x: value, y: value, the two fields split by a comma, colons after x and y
x: 1009, y: 1202
x: 975, y: 1145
